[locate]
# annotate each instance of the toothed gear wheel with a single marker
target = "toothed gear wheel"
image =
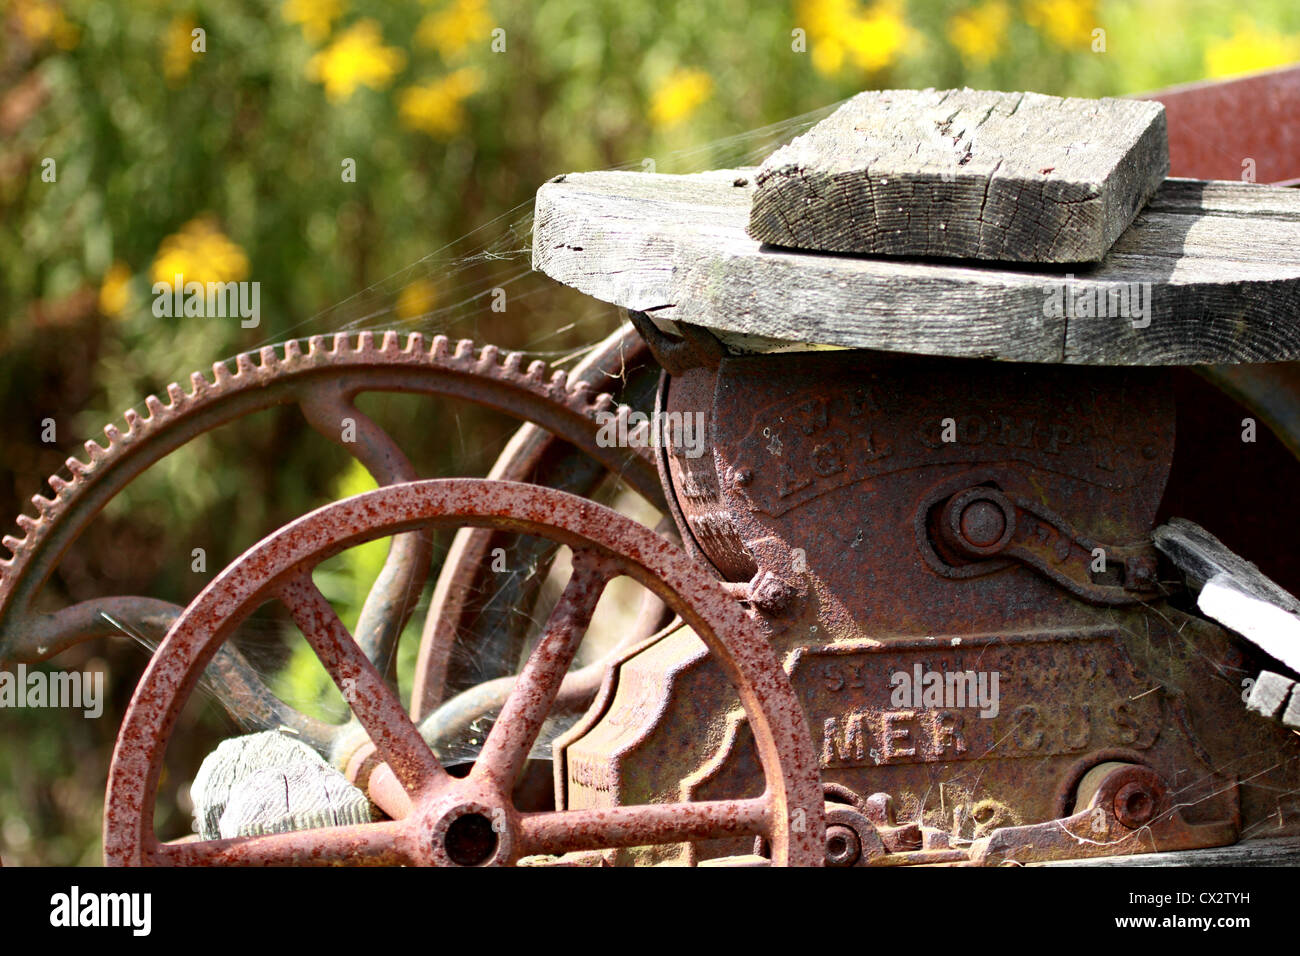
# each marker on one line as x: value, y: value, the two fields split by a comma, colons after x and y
x: 323, y: 379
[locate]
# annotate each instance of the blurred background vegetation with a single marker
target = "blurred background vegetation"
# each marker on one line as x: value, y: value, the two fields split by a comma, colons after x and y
x: 211, y: 139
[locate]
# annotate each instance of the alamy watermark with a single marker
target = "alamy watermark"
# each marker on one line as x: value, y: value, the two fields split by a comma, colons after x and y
x: 75, y: 908
x: 1113, y: 300
x: 947, y: 690
x: 683, y: 432
x: 66, y: 689
x: 178, y: 298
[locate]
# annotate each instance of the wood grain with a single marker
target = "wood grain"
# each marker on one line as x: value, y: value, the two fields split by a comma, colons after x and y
x: 1009, y: 177
x: 1279, y: 852
x: 271, y: 783
x: 1216, y: 267
x: 1202, y: 557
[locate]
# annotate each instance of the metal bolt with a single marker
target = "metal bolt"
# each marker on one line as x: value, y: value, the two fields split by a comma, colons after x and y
x: 771, y: 594
x: 842, y: 846
x: 743, y: 476
x: 1140, y: 573
x: 977, y: 522
x: 1135, y: 805
x: 879, y: 809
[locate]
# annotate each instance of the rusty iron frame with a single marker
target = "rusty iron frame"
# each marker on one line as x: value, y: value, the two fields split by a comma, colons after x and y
x: 1215, y: 126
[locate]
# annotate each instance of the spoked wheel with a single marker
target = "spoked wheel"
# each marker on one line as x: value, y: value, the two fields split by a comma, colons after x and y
x: 439, y: 819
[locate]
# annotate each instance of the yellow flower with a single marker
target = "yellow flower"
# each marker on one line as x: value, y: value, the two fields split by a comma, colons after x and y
x: 678, y: 96
x: 978, y: 33
x: 40, y: 20
x: 417, y: 299
x: 115, y: 290
x: 358, y: 57
x: 200, y: 252
x: 435, y: 107
x: 1249, y: 50
x: 315, y: 16
x: 840, y: 30
x: 876, y: 39
x: 452, y: 30
x: 1067, y: 22
x: 178, y: 49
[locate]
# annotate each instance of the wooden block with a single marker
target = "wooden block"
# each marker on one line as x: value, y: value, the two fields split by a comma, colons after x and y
x: 1008, y: 177
x: 299, y: 797
x: 1269, y: 694
x: 269, y: 783
x: 1217, y: 266
x: 1273, y: 630
x: 1291, y: 716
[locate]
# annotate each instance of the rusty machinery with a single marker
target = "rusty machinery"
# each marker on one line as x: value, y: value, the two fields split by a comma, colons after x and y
x: 853, y: 523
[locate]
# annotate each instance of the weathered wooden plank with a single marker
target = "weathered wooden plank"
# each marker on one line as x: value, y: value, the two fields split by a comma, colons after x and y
x: 1010, y: 177
x: 1202, y: 557
x: 1280, y: 852
x: 1208, y: 274
x: 1273, y: 630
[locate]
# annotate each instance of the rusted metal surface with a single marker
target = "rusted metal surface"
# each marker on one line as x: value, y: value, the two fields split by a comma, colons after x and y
x: 1223, y: 129
x: 1271, y: 390
x: 894, y: 518
x: 442, y: 824
x: 324, y: 380
x: 1122, y: 808
x: 842, y: 454
x: 980, y: 523
x: 472, y: 711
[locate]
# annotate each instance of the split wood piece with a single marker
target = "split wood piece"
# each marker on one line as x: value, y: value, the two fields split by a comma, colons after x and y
x: 1274, y: 630
x: 1291, y: 716
x: 301, y: 797
x: 1235, y: 593
x: 270, y: 783
x: 1201, y: 557
x: 1209, y: 273
x: 1269, y: 695
x: 1007, y: 177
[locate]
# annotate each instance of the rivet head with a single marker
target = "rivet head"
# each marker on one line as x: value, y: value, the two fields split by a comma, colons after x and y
x: 983, y: 523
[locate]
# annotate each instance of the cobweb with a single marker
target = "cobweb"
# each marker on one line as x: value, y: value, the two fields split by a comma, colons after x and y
x: 470, y: 273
